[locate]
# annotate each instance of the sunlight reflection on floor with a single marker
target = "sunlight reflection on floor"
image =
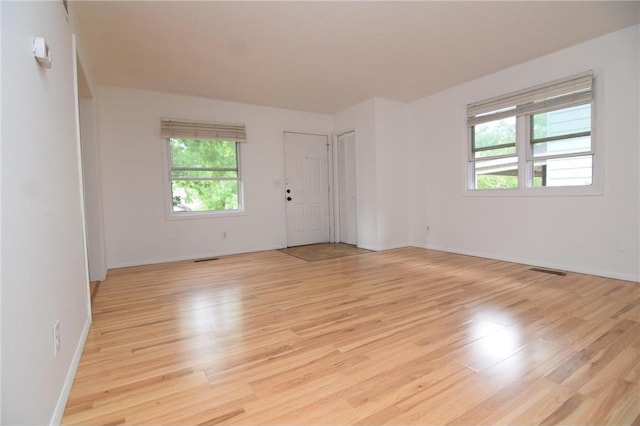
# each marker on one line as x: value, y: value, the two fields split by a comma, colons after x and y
x: 491, y: 343
x: 220, y: 312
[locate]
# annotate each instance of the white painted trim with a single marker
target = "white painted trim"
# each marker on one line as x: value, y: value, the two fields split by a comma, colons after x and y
x: 345, y: 132
x: 331, y: 173
x: 283, y: 188
x: 391, y: 246
x: 81, y: 188
x: 337, y: 229
x: 193, y: 256
x: 547, y: 191
x: 367, y: 247
x: 0, y: 219
x: 56, y: 418
x: 335, y: 195
x: 539, y: 263
x: 607, y: 274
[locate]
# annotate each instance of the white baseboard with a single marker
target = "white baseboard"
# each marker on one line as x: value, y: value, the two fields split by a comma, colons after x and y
x: 392, y: 246
x: 191, y: 257
x: 56, y: 418
x: 540, y: 263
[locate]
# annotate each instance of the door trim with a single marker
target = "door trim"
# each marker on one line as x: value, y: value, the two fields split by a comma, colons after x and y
x: 336, y: 183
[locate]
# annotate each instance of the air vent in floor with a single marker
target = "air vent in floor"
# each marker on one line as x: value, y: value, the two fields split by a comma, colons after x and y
x: 548, y: 271
x: 205, y: 260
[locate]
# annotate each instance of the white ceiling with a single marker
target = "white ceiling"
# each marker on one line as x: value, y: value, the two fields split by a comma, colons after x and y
x: 326, y: 56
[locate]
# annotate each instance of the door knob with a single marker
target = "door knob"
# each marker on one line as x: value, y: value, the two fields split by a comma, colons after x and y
x: 288, y: 191
x: 288, y: 198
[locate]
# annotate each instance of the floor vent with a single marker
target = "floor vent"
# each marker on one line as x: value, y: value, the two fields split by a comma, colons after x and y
x: 548, y: 271
x: 205, y: 260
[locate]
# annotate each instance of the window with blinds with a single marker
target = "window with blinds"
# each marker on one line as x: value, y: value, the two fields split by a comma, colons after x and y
x: 195, y: 130
x: 538, y: 137
x: 203, y: 166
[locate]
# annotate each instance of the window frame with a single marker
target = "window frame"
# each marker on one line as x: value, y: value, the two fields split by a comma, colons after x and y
x: 524, y: 152
x: 170, y: 214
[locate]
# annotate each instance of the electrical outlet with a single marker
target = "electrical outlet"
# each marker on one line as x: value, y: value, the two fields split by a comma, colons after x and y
x: 428, y: 229
x: 224, y: 235
x: 56, y: 337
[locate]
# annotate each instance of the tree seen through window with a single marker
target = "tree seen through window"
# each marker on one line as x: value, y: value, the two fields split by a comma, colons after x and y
x: 204, y: 175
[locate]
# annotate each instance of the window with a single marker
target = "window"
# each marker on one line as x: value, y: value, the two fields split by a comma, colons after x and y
x: 204, y: 166
x: 539, y: 137
x: 561, y: 149
x: 494, y: 154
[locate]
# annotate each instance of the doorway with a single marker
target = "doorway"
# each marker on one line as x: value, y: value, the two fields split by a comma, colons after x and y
x: 90, y: 176
x: 306, y: 188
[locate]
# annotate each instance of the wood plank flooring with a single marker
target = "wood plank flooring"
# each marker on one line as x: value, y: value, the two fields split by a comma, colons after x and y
x: 407, y: 336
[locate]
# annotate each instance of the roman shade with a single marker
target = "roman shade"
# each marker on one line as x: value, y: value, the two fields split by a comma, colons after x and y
x: 196, y: 130
x: 568, y: 92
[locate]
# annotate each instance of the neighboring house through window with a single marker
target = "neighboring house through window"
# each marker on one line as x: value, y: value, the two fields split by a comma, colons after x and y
x: 539, y: 137
x: 203, y: 167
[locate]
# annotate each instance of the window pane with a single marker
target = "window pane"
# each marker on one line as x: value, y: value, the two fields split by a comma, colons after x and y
x: 203, y: 153
x: 562, y: 146
x: 494, y: 133
x: 560, y: 122
x: 496, y: 174
x: 571, y: 171
x: 198, y: 195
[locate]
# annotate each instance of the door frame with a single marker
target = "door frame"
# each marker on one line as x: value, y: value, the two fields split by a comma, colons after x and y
x: 76, y: 69
x: 330, y: 182
x: 335, y: 179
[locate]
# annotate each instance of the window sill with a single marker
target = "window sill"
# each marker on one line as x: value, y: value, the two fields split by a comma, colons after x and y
x: 204, y: 215
x: 559, y: 191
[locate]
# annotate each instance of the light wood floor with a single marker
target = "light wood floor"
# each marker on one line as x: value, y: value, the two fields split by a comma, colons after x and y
x: 407, y: 336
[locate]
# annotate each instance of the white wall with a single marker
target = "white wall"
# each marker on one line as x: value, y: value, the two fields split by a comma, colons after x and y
x: 391, y: 174
x: 361, y: 118
x: 136, y: 228
x: 92, y: 190
x: 43, y: 265
x: 382, y: 175
x: 595, y: 234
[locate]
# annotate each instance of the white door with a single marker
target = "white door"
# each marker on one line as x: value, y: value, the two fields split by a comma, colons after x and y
x: 306, y: 188
x: 348, y: 218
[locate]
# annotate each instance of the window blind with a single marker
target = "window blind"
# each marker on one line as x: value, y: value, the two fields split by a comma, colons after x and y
x: 562, y: 93
x: 194, y: 130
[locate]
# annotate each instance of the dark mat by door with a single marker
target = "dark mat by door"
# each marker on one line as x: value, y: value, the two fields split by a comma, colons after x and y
x: 313, y: 252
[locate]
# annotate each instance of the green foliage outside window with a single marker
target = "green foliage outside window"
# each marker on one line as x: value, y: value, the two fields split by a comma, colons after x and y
x: 501, y: 132
x: 204, y: 175
x: 495, y: 133
x: 496, y: 182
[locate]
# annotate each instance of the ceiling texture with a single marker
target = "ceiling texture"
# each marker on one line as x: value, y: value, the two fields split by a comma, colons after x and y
x: 328, y: 55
